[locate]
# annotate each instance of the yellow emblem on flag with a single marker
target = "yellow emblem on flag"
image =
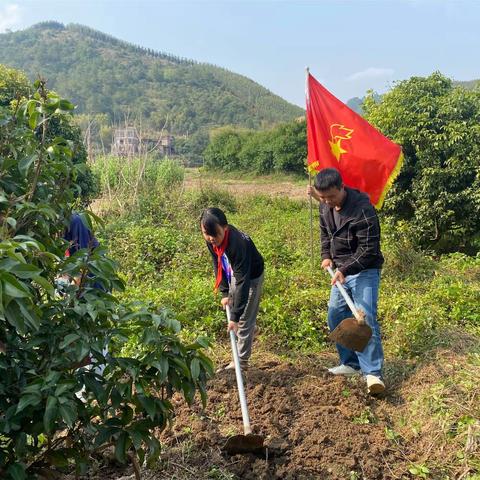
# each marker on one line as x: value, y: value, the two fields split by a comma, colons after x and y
x: 338, y: 133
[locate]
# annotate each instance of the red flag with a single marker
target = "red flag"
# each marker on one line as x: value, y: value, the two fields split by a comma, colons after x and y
x: 340, y: 138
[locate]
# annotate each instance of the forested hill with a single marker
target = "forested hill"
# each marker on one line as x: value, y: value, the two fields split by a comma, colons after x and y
x: 468, y: 84
x: 102, y: 74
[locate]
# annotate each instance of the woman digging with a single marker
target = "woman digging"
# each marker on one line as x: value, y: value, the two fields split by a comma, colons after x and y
x: 239, y: 271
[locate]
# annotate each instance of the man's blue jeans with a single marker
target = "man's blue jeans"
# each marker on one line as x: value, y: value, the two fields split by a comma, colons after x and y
x: 363, y: 289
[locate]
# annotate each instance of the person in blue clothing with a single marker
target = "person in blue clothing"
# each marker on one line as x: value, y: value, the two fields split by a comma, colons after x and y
x: 81, y: 237
x: 350, y: 240
x: 239, y: 274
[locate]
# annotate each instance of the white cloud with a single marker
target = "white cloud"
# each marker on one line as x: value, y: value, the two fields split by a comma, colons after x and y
x: 371, y: 72
x: 9, y: 17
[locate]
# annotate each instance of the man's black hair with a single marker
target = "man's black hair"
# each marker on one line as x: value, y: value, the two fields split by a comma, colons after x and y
x: 210, y: 218
x: 328, y: 178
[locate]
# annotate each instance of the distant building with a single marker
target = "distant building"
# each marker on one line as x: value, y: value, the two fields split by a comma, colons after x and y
x: 166, y: 145
x: 126, y: 143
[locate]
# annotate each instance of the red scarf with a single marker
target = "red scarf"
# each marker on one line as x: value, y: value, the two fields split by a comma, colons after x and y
x: 220, y: 251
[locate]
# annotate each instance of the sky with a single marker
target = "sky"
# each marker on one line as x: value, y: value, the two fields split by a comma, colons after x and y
x: 350, y: 46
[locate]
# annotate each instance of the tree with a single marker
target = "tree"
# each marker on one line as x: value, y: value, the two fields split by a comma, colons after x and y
x: 436, y: 196
x: 13, y: 85
x: 48, y: 332
x: 223, y: 149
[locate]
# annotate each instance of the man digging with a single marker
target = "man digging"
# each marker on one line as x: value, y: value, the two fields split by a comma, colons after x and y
x: 350, y: 239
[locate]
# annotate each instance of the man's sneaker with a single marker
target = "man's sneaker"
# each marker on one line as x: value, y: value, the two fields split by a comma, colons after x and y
x: 343, y: 370
x: 375, y: 385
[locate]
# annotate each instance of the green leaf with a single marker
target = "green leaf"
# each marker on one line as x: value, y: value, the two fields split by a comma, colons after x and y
x: 148, y: 404
x: 121, y: 447
x: 162, y: 366
x: 203, y: 342
x: 17, y: 471
x: 68, y: 413
x: 25, y: 270
x: 13, y: 288
x: 65, y: 105
x: 183, y: 366
x: 26, y: 400
x: 33, y: 120
x: 25, y: 163
x: 70, y: 338
x: 154, y: 451
x: 203, y: 394
x: 50, y: 415
x: 94, y: 386
x: 21, y: 444
x: 64, y: 387
x: 104, y: 434
x: 15, y: 317
x: 30, y: 316
x: 137, y: 438
x: 195, y: 369
x: 43, y: 282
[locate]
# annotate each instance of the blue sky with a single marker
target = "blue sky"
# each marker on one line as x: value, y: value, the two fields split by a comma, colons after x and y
x: 350, y: 46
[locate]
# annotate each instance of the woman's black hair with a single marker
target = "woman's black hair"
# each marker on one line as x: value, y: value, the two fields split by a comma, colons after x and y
x: 210, y: 218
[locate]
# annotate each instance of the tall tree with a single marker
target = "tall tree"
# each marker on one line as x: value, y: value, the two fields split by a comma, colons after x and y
x: 437, y: 191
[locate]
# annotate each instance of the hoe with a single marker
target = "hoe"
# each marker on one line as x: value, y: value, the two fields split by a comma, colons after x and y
x: 247, y: 443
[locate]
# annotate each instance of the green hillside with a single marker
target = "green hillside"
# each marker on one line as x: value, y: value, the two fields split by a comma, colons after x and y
x: 468, y: 84
x: 102, y: 74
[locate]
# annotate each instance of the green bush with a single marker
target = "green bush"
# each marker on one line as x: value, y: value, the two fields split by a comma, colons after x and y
x: 169, y: 174
x: 210, y: 196
x: 48, y: 332
x: 281, y: 149
x: 437, y: 125
x: 145, y: 249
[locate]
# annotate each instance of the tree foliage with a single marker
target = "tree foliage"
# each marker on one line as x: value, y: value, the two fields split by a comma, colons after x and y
x: 281, y: 149
x: 437, y: 192
x: 48, y: 332
x: 13, y: 85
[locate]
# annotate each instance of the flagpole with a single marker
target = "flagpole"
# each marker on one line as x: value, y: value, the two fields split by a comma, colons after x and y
x: 312, y: 260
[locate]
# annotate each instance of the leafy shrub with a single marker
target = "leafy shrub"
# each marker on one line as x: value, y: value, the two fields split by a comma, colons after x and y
x: 211, y: 196
x: 281, y: 149
x: 48, y: 334
x: 144, y: 249
x: 436, y: 192
x: 169, y: 174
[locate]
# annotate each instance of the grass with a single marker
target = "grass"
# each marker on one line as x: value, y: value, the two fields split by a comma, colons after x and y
x: 429, y: 311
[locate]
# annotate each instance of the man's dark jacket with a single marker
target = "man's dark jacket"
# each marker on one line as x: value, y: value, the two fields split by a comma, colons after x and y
x: 246, y: 263
x: 353, y: 244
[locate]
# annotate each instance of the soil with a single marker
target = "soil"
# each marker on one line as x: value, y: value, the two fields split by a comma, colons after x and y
x: 315, y: 426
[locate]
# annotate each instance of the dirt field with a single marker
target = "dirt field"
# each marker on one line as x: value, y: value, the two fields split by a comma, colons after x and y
x: 249, y: 186
x: 315, y: 426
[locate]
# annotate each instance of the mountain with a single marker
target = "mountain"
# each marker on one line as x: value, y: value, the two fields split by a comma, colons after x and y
x: 102, y: 74
x: 355, y: 104
x: 468, y: 84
